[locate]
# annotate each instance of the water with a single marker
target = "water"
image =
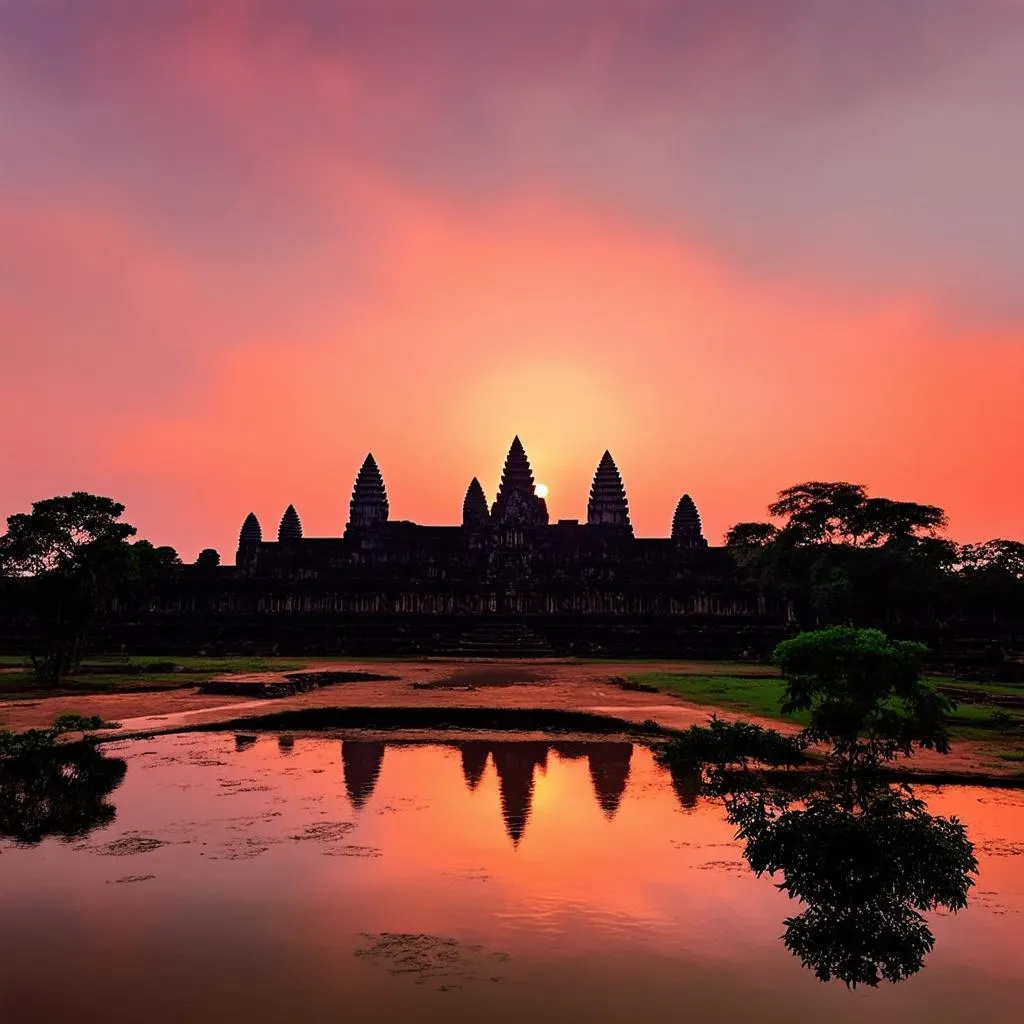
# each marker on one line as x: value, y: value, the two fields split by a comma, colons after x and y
x: 269, y: 878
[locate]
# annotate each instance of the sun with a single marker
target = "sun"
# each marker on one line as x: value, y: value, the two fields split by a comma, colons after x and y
x: 541, y: 490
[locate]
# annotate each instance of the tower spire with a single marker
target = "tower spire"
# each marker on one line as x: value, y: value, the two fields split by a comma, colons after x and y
x: 607, y: 505
x: 369, y: 502
x: 517, y: 502
x: 474, y: 507
x: 686, y: 526
x: 290, y: 527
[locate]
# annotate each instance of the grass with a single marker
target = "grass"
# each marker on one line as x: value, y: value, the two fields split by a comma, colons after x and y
x: 747, y: 694
x: 763, y: 697
x: 189, y: 671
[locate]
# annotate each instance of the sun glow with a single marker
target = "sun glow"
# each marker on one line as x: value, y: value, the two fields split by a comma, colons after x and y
x: 541, y: 490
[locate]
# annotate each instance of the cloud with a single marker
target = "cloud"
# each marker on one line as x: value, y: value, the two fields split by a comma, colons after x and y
x: 739, y: 243
x: 871, y: 145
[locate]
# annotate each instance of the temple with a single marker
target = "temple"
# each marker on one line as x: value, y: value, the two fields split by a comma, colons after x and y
x: 507, y: 580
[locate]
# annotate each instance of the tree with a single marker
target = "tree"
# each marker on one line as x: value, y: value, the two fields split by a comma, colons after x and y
x: 864, y: 694
x: 993, y: 558
x: 154, y: 563
x: 818, y: 512
x: 67, y: 554
x: 884, y: 521
x: 866, y: 875
x: 751, y: 535
x: 208, y: 559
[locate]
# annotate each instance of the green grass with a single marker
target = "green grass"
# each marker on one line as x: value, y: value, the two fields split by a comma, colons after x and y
x: 194, y: 670
x: 763, y: 697
x: 692, y: 665
x: 747, y: 694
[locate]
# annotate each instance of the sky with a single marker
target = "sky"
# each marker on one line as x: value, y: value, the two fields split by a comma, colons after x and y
x: 739, y: 244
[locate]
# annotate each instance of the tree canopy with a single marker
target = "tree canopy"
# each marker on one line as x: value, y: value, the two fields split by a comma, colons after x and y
x: 843, y: 556
x: 69, y: 552
x: 864, y: 694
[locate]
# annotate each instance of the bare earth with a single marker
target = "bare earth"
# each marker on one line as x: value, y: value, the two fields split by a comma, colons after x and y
x: 509, y: 684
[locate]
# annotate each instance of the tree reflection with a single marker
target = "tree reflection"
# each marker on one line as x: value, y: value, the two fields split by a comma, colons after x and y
x: 864, y: 858
x: 866, y: 869
x: 57, y: 792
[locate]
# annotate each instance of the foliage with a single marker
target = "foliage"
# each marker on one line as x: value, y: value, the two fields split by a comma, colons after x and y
x: 730, y: 744
x: 207, y: 559
x: 866, y: 873
x: 17, y: 744
x: 818, y: 512
x: 57, y: 791
x: 154, y: 563
x: 69, y: 553
x: 752, y: 535
x: 844, y: 557
x: 864, y: 694
x: 865, y: 860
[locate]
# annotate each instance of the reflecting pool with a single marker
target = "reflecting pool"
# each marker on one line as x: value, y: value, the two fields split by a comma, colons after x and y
x: 213, y: 877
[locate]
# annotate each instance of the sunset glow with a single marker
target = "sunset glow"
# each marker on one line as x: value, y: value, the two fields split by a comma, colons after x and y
x: 738, y: 245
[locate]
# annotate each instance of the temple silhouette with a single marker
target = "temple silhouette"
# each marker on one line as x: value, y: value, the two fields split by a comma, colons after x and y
x: 516, y: 764
x: 505, y: 581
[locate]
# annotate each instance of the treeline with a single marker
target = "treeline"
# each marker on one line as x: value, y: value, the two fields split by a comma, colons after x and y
x: 843, y: 557
x: 839, y: 556
x: 69, y: 557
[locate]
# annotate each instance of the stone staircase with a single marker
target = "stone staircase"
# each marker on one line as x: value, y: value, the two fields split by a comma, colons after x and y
x: 501, y: 640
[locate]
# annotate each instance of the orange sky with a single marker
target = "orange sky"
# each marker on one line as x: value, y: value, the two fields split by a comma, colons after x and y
x: 241, y: 250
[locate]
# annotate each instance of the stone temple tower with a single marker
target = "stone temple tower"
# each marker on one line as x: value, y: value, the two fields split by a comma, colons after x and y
x: 517, y: 503
x: 607, y: 505
x: 686, y: 527
x: 249, y: 538
x: 291, y: 526
x: 474, y: 507
x: 369, y: 504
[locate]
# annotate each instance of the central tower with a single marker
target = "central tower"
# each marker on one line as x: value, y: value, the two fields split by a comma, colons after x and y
x: 517, y: 503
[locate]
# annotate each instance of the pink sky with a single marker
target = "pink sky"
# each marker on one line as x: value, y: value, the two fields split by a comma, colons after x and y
x: 740, y: 245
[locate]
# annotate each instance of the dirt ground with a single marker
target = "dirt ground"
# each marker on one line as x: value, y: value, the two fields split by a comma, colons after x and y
x: 437, y: 683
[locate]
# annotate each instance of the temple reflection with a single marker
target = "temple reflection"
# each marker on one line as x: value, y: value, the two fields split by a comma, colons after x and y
x: 361, y: 762
x: 609, y: 772
x: 515, y: 764
x: 285, y: 744
x: 474, y: 762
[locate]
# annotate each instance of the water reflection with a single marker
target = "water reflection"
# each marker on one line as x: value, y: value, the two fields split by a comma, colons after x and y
x: 474, y: 762
x: 360, y: 766
x: 864, y: 867
x: 57, y: 792
x: 866, y: 864
x: 515, y: 762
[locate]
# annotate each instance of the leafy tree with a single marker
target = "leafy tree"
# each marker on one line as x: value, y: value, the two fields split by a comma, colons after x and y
x: 864, y: 694
x: 208, y: 559
x: 820, y: 513
x: 751, y: 535
x: 866, y: 874
x: 992, y: 559
x: 884, y: 521
x: 67, y: 554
